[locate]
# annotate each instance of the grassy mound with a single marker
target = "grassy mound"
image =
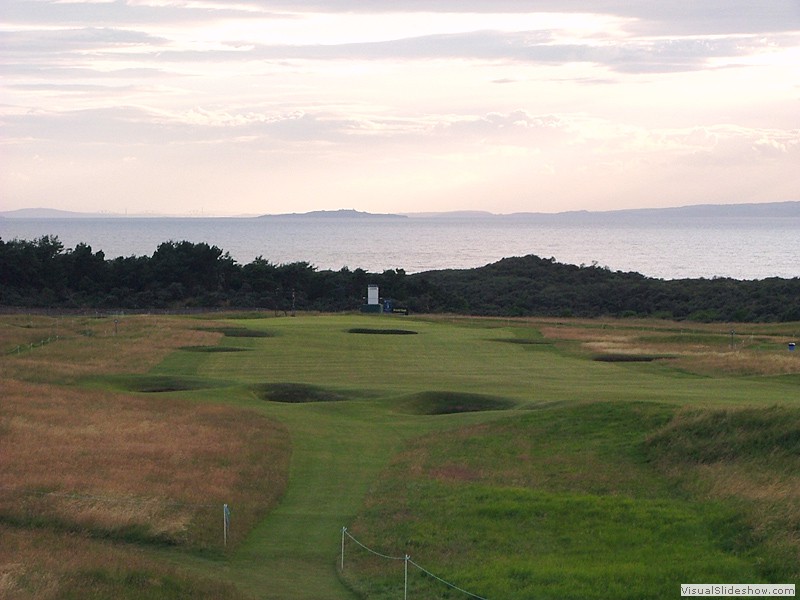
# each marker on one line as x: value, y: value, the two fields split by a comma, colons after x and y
x: 296, y: 393
x: 532, y: 502
x: 445, y: 403
x: 759, y: 435
x: 75, y: 566
x: 369, y: 330
x: 749, y: 457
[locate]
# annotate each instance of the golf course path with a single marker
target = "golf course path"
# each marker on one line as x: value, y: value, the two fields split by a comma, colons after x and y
x: 335, y: 457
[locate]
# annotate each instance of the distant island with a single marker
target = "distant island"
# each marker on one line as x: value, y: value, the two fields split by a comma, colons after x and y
x: 788, y: 209
x: 697, y: 211
x: 52, y: 213
x: 344, y: 213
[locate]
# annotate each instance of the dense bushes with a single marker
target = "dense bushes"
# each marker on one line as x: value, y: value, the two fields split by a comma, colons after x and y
x: 532, y: 285
x: 41, y: 273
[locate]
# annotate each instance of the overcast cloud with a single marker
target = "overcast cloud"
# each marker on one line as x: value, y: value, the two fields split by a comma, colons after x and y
x: 254, y: 106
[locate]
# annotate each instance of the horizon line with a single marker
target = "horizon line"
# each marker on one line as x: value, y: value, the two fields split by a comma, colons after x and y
x: 344, y: 212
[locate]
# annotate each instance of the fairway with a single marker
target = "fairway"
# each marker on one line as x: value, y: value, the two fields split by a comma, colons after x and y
x: 423, y: 436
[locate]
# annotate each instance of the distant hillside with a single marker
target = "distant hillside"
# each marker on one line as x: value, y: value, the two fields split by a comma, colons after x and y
x: 51, y: 213
x: 455, y: 213
x: 703, y: 211
x: 335, y: 214
x: 699, y: 211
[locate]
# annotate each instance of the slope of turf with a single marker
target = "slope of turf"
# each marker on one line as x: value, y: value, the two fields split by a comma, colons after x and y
x: 562, y: 503
x: 567, y: 489
x: 341, y: 447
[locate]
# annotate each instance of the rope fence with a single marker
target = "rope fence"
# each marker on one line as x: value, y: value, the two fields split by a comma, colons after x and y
x: 407, y: 561
x: 32, y: 345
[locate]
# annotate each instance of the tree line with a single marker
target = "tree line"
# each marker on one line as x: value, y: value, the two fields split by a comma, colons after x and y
x: 41, y: 273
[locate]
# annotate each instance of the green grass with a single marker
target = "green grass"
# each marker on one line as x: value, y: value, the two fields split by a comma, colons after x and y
x: 767, y: 436
x: 586, y: 463
x: 447, y: 357
x: 751, y: 459
x: 561, y: 503
x: 506, y: 463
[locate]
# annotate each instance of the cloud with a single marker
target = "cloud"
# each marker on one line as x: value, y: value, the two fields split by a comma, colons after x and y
x: 600, y: 98
x: 674, y: 17
x: 648, y: 36
x: 52, y: 43
x: 122, y: 126
x: 730, y: 146
x: 554, y: 133
x: 632, y: 56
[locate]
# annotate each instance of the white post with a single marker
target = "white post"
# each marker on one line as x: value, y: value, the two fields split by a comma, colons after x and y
x: 344, y: 529
x: 405, y: 586
x: 225, y: 523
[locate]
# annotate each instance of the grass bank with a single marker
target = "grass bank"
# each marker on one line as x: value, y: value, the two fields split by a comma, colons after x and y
x: 497, y: 453
x: 605, y: 500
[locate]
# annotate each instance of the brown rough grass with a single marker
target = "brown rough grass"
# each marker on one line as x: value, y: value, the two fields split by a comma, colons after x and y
x: 698, y: 348
x: 106, y: 462
x: 81, y: 345
x: 78, y: 466
x: 48, y: 565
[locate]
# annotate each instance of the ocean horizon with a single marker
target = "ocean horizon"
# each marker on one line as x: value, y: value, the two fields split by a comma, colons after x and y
x: 656, y: 244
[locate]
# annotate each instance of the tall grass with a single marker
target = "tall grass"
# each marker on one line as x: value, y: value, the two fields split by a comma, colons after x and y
x: 572, y: 502
x: 740, y: 349
x: 83, y: 346
x: 47, y: 565
x: 747, y: 457
x: 135, y: 468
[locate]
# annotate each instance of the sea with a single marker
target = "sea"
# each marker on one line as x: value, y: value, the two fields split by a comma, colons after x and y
x: 655, y: 246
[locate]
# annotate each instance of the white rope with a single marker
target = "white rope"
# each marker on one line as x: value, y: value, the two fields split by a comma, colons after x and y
x: 407, y: 559
x: 347, y: 533
x: 455, y: 587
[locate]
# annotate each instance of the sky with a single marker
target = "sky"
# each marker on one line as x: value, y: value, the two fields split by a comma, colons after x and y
x: 211, y: 107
